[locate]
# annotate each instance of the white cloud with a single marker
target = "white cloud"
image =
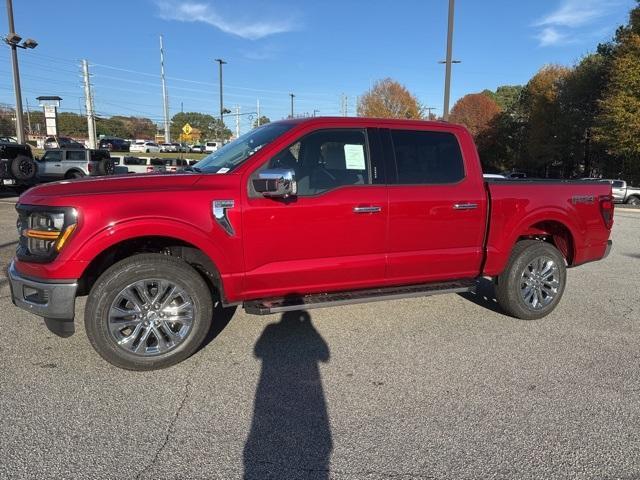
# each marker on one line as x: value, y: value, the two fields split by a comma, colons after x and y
x: 559, y: 26
x: 549, y: 36
x: 188, y: 11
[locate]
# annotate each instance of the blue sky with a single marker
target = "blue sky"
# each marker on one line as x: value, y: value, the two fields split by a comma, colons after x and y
x: 316, y: 49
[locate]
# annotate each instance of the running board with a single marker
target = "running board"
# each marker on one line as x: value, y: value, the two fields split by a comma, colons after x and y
x: 321, y: 300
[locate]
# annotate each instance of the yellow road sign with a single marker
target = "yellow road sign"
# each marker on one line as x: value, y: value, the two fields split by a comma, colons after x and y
x: 186, y: 129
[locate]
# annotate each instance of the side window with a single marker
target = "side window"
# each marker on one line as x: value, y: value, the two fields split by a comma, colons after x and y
x: 157, y: 162
x: 424, y: 157
x: 75, y: 155
x: 617, y: 184
x: 133, y: 161
x: 52, y: 156
x: 327, y: 159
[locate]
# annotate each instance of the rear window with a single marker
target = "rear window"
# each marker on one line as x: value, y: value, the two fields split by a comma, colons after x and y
x: 134, y: 161
x: 617, y: 184
x: 75, y: 155
x: 157, y: 161
x: 424, y: 157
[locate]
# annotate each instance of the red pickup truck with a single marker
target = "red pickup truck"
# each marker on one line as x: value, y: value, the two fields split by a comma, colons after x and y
x: 296, y: 214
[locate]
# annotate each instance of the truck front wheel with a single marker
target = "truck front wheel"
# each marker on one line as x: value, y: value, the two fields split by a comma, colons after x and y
x: 533, y: 281
x: 148, y: 311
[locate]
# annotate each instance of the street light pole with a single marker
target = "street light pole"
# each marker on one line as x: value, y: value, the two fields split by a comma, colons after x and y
x: 292, y: 97
x: 220, y: 63
x: 447, y: 77
x: 16, y: 75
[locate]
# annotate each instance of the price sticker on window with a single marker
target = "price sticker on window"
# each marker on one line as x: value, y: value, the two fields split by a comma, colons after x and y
x: 354, y: 157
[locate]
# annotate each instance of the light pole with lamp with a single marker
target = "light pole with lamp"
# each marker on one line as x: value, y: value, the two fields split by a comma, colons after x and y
x: 13, y: 40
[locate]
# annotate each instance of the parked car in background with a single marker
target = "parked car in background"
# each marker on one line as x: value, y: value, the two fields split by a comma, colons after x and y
x: 144, y: 146
x: 196, y: 148
x: 68, y: 163
x: 174, y: 165
x: 211, y: 146
x: 182, y: 147
x: 623, y: 193
x: 114, y: 144
x: 143, y: 165
x: 168, y: 147
x: 17, y: 165
x: 294, y: 215
x: 62, y: 142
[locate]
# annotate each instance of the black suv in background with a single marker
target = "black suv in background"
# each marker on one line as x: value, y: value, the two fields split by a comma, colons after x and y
x: 114, y: 144
x: 17, y: 166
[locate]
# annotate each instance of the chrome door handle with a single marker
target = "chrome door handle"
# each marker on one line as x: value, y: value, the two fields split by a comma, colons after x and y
x: 372, y: 209
x: 465, y: 206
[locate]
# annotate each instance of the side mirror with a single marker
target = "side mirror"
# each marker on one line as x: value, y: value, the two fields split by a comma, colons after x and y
x: 276, y: 183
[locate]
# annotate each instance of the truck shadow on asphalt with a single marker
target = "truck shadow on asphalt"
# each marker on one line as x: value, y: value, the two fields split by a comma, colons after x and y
x: 290, y: 434
x: 484, y: 296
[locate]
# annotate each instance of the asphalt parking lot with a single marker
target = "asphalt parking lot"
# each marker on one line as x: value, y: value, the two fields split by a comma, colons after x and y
x: 435, y: 388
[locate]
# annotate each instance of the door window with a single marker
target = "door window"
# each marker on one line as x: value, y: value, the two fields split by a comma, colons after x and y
x: 327, y: 159
x: 52, y: 156
x: 424, y: 157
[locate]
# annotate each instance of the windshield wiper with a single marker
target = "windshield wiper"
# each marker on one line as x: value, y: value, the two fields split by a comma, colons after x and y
x: 192, y: 169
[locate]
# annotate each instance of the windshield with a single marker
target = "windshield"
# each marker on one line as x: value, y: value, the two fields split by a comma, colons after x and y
x: 233, y: 154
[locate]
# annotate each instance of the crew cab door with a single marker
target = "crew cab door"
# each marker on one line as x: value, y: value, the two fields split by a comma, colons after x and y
x: 332, y: 234
x: 50, y: 165
x: 437, y: 206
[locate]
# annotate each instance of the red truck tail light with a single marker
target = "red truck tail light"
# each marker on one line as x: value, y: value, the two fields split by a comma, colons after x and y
x: 90, y: 167
x: 606, y: 210
x: 149, y: 169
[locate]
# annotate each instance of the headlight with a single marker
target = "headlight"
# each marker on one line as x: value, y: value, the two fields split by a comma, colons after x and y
x: 44, y: 232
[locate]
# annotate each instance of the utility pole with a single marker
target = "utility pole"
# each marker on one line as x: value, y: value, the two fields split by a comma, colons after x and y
x: 165, y: 99
x: 16, y: 72
x: 428, y: 109
x: 346, y: 105
x: 237, y: 121
x: 28, y: 116
x: 91, y: 124
x: 220, y: 63
x: 448, y: 62
x: 292, y: 97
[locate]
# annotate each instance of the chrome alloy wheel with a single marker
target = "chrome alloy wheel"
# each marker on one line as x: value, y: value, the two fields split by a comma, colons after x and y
x: 539, y: 282
x: 151, y: 317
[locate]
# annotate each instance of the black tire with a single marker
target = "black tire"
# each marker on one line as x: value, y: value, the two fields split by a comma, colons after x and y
x: 23, y: 168
x: 74, y: 174
x: 116, y: 279
x: 106, y: 166
x: 146, y: 151
x: 510, y: 284
x: 633, y: 200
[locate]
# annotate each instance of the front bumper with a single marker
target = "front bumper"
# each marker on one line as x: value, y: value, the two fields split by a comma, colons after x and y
x: 51, y: 300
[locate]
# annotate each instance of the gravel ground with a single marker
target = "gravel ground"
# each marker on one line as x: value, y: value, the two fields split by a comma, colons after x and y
x: 434, y: 388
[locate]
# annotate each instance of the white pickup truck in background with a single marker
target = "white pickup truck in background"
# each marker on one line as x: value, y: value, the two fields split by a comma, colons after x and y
x: 622, y: 193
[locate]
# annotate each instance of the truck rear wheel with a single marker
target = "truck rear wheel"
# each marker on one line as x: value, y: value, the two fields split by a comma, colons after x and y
x: 533, y: 281
x: 23, y: 168
x: 148, y: 311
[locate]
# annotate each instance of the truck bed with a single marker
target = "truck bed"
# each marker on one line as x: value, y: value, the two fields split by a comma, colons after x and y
x: 568, y: 211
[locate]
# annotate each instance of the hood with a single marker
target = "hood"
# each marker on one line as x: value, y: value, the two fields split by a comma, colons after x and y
x: 112, y: 184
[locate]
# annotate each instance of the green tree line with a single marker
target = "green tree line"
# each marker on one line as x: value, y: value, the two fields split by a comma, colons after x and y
x: 566, y: 122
